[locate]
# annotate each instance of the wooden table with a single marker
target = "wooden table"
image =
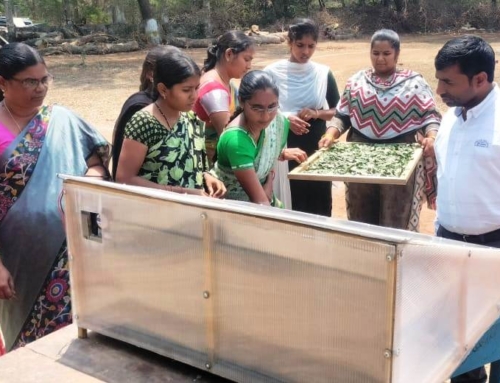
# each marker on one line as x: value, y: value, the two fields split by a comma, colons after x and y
x: 62, y: 357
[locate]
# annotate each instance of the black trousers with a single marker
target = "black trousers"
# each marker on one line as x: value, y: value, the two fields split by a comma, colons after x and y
x: 477, y: 375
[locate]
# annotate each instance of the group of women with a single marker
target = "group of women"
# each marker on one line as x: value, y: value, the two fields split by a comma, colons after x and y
x: 190, y: 130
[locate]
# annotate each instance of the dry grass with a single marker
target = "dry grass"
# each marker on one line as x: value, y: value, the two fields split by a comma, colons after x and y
x: 96, y: 86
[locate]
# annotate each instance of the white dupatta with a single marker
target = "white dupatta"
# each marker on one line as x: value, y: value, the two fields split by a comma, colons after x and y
x: 300, y: 85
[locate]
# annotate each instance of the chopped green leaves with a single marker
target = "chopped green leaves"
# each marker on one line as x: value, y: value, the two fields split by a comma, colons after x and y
x: 360, y: 159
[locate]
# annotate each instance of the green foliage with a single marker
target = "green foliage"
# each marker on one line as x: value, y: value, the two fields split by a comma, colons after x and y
x: 94, y: 15
x: 192, y: 18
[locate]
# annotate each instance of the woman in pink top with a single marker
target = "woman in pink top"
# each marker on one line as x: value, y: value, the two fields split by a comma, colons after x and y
x: 230, y: 57
x: 6, y: 137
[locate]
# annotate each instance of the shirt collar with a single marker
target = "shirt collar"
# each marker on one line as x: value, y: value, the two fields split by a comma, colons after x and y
x: 479, y: 108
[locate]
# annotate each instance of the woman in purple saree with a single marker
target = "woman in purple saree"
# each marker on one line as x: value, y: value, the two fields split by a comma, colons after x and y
x: 37, y: 142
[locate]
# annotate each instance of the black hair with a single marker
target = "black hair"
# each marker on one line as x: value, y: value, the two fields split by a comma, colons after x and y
x: 237, y: 41
x: 387, y: 35
x: 149, y: 64
x: 301, y: 28
x: 173, y: 68
x: 250, y: 83
x: 15, y: 58
x: 472, y: 54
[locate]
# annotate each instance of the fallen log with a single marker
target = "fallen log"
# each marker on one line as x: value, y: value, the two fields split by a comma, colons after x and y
x: 68, y: 33
x: 267, y: 39
x: 96, y: 38
x: 184, y: 42
x: 90, y: 49
x: 45, y: 42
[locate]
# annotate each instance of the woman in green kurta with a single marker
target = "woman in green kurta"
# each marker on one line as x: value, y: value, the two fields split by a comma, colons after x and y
x: 164, y: 143
x: 253, y: 141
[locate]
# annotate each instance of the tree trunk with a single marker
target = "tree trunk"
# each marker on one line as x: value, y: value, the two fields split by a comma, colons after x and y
x: 208, y: 24
x: 117, y: 15
x: 494, y: 3
x: 399, y: 5
x: 385, y: 3
x: 11, y: 29
x: 66, y: 12
x: 150, y: 24
x: 322, y: 5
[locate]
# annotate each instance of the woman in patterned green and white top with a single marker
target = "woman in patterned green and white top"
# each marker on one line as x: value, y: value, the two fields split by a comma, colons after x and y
x: 253, y: 141
x: 164, y: 143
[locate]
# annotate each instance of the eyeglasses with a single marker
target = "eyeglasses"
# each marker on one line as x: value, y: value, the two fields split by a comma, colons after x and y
x: 262, y: 110
x: 33, y: 83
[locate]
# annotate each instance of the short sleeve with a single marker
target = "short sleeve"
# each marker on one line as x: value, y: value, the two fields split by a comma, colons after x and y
x: 217, y: 100
x: 139, y: 129
x: 238, y: 149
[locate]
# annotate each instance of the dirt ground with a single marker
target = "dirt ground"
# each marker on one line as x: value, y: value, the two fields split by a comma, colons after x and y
x: 97, y: 86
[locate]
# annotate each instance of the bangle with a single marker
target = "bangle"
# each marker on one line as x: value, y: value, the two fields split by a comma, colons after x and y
x: 317, y: 113
x: 330, y: 136
x: 433, y: 137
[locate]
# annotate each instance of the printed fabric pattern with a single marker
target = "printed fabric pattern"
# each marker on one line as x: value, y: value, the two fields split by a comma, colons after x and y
x: 384, y: 109
x: 174, y: 157
x: 21, y: 164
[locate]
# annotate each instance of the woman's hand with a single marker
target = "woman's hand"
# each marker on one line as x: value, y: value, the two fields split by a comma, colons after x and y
x: 294, y: 154
x: 6, y: 284
x: 268, y: 186
x: 215, y: 187
x: 329, y: 138
x: 298, y: 126
x: 190, y: 191
x: 427, y: 143
x: 308, y: 114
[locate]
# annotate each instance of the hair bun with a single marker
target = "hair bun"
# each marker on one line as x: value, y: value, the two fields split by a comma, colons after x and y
x: 213, y: 49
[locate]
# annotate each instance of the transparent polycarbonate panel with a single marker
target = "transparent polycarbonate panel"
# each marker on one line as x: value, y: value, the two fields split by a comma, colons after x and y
x: 143, y: 282
x: 300, y: 304
x: 255, y: 299
x: 447, y: 296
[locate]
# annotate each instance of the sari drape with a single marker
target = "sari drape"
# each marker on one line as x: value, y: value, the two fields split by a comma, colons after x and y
x: 31, y: 231
x: 272, y: 145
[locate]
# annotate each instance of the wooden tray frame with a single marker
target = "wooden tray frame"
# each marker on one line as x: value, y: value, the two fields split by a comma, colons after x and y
x: 297, y: 173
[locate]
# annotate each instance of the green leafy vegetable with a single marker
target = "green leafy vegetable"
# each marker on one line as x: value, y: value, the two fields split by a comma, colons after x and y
x: 382, y: 160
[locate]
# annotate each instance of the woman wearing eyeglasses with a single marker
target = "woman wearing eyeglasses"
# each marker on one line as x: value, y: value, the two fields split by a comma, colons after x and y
x: 36, y: 143
x: 253, y: 141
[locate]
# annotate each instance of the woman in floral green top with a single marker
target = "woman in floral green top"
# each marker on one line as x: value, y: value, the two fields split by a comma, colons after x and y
x: 164, y: 143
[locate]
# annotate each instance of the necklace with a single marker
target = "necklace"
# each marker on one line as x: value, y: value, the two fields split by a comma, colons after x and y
x: 11, y: 116
x: 226, y: 83
x: 163, y: 115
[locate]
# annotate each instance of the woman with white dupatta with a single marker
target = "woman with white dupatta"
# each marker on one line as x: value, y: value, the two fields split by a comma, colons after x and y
x: 308, y: 97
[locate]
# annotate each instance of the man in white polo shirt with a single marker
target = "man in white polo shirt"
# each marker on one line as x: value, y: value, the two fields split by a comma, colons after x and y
x: 468, y: 151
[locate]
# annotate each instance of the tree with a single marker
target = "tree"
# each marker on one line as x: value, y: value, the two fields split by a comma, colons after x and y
x: 208, y: 24
x: 399, y: 5
x: 150, y: 23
